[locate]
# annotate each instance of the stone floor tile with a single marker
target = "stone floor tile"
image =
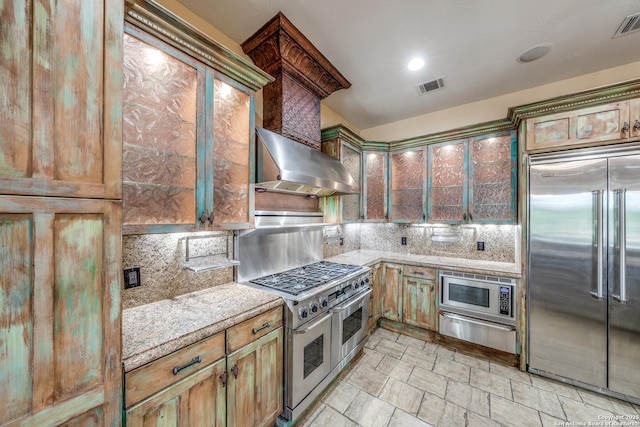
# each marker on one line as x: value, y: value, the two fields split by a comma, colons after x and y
x: 373, y: 341
x: 476, y: 420
x: 549, y: 421
x: 384, y: 333
x: 555, y: 387
x: 391, y: 348
x: 402, y: 419
x: 445, y: 353
x: 513, y: 414
x: 429, y: 381
x: 474, y: 362
x: 368, y: 379
x: 431, y: 409
x: 330, y: 417
x: 454, y: 370
x: 453, y: 416
x: 308, y: 420
x: 395, y: 368
x: 370, y: 358
x: 538, y: 399
x: 402, y: 395
x: 607, y: 403
x: 510, y: 372
x: 369, y: 411
x: 468, y: 397
x: 341, y: 396
x: 580, y: 412
x: 431, y: 348
x: 411, y: 342
x: 419, y: 358
x: 492, y: 383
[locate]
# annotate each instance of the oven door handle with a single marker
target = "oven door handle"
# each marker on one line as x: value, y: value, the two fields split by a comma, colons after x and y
x: 312, y: 325
x: 478, y: 322
x: 357, y: 299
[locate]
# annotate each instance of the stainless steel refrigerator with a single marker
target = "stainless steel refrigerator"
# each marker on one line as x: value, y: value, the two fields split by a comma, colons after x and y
x: 584, y: 268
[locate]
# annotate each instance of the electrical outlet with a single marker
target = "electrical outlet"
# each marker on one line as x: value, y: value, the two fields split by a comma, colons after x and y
x: 403, y: 241
x: 480, y: 246
x: 132, y: 277
x: 341, y: 241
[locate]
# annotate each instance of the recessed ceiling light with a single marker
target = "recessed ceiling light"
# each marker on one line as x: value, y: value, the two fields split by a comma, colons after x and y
x: 416, y: 64
x: 534, y: 52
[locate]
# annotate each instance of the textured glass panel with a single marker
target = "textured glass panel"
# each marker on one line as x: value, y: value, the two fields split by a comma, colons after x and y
x: 447, y: 182
x: 351, y: 207
x: 442, y: 213
x: 351, y: 203
x: 159, y: 136
x: 484, y: 173
x: 408, y: 212
x: 448, y: 155
x: 231, y: 166
x: 375, y: 190
x: 446, y: 196
x: 491, y: 180
x: 447, y: 176
x: 408, y: 170
x: 492, y: 149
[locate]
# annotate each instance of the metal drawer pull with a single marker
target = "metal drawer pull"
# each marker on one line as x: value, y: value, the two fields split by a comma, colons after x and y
x: 177, y: 369
x: 264, y: 326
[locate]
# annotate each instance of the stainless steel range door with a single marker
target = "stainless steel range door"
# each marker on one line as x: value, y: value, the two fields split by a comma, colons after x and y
x: 311, y: 358
x: 349, y: 325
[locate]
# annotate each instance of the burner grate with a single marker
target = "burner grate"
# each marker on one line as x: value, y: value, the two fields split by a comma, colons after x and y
x: 300, y: 279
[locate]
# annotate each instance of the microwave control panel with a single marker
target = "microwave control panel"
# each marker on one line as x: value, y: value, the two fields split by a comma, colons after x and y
x: 505, y: 300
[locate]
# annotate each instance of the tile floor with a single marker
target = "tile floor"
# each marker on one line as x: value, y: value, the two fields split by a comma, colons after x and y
x: 405, y: 382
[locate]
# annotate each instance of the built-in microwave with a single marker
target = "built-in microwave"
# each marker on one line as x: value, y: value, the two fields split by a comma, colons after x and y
x: 485, y: 297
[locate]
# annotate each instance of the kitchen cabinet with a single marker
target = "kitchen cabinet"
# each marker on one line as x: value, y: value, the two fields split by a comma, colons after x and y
x: 376, y: 281
x: 60, y: 311
x: 407, y: 182
x: 473, y: 180
x: 391, y: 292
x: 419, y: 297
x: 188, y: 142
x: 375, y: 186
x: 60, y: 107
x: 607, y: 123
x: 234, y: 377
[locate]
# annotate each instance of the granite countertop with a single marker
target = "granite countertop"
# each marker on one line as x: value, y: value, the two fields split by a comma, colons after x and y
x: 370, y: 257
x: 154, y: 330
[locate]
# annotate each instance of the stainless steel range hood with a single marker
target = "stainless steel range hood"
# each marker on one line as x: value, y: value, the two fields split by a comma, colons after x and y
x: 287, y: 166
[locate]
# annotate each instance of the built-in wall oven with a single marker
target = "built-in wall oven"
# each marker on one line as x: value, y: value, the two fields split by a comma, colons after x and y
x: 479, y: 309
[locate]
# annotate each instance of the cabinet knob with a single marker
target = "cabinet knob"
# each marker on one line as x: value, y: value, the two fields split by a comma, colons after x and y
x: 626, y: 127
x: 464, y: 216
x: 470, y: 216
x: 203, y: 218
x: 636, y: 125
x: 234, y: 371
x: 210, y: 218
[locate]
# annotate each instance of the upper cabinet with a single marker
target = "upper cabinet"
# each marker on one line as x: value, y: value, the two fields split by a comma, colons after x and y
x: 188, y: 143
x: 473, y: 180
x: 375, y: 186
x: 60, y: 107
x: 407, y: 184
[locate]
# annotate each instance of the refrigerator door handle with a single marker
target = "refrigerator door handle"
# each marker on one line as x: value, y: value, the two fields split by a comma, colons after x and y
x: 598, y: 231
x: 621, y: 239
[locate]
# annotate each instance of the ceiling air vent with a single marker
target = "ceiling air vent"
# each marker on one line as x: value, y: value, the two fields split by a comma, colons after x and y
x: 430, y: 86
x: 629, y: 25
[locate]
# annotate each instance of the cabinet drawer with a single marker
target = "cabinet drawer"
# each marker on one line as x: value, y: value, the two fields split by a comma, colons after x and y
x: 421, y: 272
x: 155, y: 376
x: 252, y: 329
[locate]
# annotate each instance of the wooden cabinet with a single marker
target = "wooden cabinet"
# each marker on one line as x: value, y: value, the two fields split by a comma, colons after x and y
x: 407, y: 182
x: 376, y: 281
x: 60, y: 311
x: 232, y: 381
x: 607, y: 123
x: 419, y: 297
x: 391, y: 292
x: 60, y: 107
x: 375, y: 186
x: 473, y: 180
x: 188, y: 141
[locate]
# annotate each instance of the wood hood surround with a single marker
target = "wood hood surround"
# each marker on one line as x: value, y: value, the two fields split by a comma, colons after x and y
x: 291, y: 104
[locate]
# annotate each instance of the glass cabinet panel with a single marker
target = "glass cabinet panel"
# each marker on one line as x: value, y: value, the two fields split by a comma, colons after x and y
x: 375, y: 186
x: 448, y: 182
x: 231, y: 159
x: 351, y: 202
x: 407, y: 186
x: 159, y: 136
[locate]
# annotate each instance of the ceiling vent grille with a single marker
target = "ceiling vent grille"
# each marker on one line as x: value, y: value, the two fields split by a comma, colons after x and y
x: 430, y: 86
x: 629, y: 25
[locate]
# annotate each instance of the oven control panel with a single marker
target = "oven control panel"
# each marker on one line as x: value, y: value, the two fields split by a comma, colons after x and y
x: 505, y: 300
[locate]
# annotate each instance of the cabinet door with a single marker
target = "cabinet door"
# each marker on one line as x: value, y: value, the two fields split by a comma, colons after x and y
x: 255, y: 394
x: 391, y: 292
x: 196, y: 401
x: 492, y: 178
x: 375, y: 186
x: 350, y: 203
x: 603, y: 123
x: 60, y: 311
x: 60, y: 108
x: 419, y: 303
x: 374, y: 301
x: 407, y: 182
x: 634, y: 115
x: 448, y: 182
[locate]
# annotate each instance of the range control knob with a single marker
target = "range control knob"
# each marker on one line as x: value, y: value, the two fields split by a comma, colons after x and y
x: 362, y: 283
x: 313, y: 307
x: 366, y: 280
x: 303, y: 313
x: 324, y: 302
x: 356, y: 284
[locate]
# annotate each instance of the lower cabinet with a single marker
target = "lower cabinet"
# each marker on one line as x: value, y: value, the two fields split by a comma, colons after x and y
x: 234, y: 378
x: 376, y: 282
x: 419, y: 302
x: 391, y: 292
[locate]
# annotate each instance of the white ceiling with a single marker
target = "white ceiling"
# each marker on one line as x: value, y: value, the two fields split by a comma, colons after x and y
x: 473, y: 44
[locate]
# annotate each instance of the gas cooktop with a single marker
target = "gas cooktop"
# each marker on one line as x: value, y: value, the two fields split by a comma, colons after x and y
x: 302, y: 279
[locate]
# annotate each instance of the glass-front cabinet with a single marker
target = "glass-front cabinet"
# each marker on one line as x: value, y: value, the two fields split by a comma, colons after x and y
x: 375, y: 186
x: 448, y: 182
x: 350, y: 204
x: 187, y: 141
x: 407, y: 184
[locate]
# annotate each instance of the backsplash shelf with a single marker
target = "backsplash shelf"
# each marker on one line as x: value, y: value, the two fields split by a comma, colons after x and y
x: 208, y: 261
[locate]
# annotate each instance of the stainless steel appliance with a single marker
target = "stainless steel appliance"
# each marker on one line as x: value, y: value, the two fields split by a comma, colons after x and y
x: 584, y: 268
x: 479, y: 309
x: 327, y: 303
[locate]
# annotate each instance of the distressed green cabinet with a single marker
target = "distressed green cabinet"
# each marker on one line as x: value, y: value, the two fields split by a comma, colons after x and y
x: 376, y: 281
x: 60, y: 109
x: 419, y: 297
x: 473, y: 180
x: 407, y: 186
x: 60, y: 311
x: 375, y: 186
x: 391, y: 292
